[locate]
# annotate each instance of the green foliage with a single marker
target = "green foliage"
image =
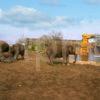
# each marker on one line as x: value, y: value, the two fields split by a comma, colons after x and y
x: 32, y: 47
x: 36, y: 47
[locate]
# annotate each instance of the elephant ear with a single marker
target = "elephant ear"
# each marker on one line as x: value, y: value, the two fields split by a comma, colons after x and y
x: 13, y: 47
x: 4, y: 47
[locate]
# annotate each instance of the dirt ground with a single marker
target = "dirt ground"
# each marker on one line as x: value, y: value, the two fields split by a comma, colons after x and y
x: 26, y: 80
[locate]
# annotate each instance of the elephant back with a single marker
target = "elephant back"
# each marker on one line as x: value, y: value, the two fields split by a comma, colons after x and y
x: 4, y: 47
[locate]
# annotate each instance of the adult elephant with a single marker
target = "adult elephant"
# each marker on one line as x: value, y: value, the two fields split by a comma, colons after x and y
x: 17, y: 50
x: 4, y: 52
x: 60, y: 50
x: 4, y: 47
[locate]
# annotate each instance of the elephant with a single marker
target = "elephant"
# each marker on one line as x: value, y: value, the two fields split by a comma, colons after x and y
x: 16, y: 50
x: 4, y: 47
x: 60, y: 50
x: 5, y: 56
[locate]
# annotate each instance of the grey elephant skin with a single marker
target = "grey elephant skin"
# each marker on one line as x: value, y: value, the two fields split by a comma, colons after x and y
x: 17, y: 50
x: 60, y: 50
x: 4, y: 47
x: 4, y: 52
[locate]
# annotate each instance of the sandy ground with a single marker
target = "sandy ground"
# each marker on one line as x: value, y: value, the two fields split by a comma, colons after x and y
x: 26, y: 80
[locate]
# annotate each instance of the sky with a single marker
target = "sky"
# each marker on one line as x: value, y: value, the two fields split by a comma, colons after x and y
x: 34, y: 18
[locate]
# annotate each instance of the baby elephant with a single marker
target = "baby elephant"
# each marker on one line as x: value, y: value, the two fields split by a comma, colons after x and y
x: 16, y: 50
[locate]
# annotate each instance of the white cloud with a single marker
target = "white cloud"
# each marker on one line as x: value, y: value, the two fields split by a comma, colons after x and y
x: 90, y: 26
x: 12, y: 33
x: 93, y: 1
x: 21, y: 15
x: 53, y: 2
x: 1, y: 13
x: 31, y: 18
x: 19, y: 20
x: 29, y: 21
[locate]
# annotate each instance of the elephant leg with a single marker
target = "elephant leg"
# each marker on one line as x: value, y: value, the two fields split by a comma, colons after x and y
x: 22, y: 54
x: 16, y: 55
x: 65, y: 59
x: 2, y: 58
x: 75, y: 56
x: 0, y: 52
x: 50, y: 59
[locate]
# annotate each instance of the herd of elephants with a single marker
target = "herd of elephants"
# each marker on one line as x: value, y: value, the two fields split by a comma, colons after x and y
x: 11, y: 53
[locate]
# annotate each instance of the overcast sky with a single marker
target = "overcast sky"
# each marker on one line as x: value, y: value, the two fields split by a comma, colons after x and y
x: 33, y: 18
